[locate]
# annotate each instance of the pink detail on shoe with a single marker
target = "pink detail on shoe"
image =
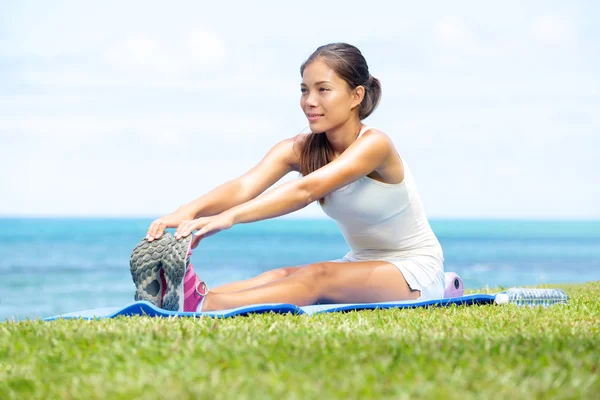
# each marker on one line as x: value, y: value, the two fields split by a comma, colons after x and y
x: 189, y: 253
x: 194, y: 290
x: 163, y: 280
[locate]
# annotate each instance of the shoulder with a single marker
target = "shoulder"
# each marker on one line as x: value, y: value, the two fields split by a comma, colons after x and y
x: 299, y: 140
x: 376, y: 139
x: 377, y: 134
x: 290, y: 149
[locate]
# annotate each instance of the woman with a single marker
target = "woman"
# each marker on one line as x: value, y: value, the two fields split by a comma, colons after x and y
x: 356, y: 175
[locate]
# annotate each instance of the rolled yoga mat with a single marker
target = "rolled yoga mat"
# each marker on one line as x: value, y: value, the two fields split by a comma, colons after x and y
x: 454, y: 286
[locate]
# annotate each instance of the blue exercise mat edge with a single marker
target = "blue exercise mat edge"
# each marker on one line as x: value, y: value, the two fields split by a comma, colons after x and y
x: 148, y: 309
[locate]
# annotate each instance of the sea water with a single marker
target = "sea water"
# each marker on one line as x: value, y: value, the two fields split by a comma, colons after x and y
x: 51, y: 266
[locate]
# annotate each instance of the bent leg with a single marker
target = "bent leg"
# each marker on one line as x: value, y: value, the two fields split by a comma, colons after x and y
x: 357, y: 282
x: 266, y: 277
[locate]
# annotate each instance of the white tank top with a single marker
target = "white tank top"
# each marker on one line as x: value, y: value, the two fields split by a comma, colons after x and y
x: 382, y: 220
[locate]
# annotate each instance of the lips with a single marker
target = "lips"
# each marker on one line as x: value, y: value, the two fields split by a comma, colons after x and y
x: 314, y: 117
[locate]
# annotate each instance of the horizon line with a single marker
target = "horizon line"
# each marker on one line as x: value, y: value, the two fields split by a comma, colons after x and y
x: 308, y: 218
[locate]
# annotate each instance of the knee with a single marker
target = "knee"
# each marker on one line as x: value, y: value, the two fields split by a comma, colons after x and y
x: 276, y: 274
x: 317, y: 272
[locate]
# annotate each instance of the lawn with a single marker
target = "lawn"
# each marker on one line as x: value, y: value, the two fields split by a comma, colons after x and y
x: 457, y: 352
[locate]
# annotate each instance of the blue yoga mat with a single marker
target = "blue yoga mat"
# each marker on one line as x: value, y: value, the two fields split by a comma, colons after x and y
x: 146, y: 308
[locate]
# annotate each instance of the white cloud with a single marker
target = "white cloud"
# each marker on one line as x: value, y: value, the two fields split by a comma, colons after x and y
x: 454, y: 33
x: 193, y: 51
x: 10, y: 102
x: 144, y: 125
x: 140, y: 53
x: 461, y: 42
x: 205, y: 48
x: 553, y: 30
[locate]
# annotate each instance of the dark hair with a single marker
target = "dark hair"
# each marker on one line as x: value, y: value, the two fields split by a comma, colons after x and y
x: 348, y: 62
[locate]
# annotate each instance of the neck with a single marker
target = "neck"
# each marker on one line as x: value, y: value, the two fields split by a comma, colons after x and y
x: 342, y: 136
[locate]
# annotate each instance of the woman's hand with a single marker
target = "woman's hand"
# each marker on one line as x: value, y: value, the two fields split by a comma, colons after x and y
x: 206, y: 226
x: 158, y: 226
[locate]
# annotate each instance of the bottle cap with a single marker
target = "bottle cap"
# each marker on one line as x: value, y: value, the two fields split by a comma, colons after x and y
x: 501, y: 299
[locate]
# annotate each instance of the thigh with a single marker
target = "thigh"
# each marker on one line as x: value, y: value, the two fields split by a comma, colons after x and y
x: 278, y: 273
x: 362, y: 282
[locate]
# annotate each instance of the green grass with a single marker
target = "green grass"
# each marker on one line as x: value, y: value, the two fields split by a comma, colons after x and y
x: 456, y: 352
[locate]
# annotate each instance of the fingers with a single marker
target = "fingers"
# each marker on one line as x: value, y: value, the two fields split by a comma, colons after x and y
x: 157, y: 228
x: 182, y: 227
x: 206, y: 231
x: 187, y: 227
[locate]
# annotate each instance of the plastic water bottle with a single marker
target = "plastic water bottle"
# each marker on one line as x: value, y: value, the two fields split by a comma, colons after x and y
x: 532, y: 297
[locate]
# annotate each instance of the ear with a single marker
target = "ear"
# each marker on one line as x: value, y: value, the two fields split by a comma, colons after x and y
x: 358, y: 94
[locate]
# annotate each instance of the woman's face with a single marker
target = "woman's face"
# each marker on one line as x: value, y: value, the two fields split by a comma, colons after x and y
x: 326, y: 100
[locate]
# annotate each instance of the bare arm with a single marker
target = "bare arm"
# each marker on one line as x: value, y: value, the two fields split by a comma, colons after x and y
x: 277, y: 163
x: 364, y: 156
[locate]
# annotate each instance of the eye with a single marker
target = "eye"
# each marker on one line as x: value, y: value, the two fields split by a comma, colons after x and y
x: 323, y: 89
x: 303, y: 90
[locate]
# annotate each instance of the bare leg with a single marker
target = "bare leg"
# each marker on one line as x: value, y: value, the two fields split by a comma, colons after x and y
x: 357, y: 282
x: 266, y: 277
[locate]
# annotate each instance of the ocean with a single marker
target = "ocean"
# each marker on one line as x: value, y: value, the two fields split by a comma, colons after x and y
x: 54, y: 265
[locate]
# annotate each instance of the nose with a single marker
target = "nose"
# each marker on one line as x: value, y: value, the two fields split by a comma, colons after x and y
x: 311, y: 100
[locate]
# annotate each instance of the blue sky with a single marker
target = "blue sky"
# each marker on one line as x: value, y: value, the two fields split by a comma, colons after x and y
x: 133, y: 108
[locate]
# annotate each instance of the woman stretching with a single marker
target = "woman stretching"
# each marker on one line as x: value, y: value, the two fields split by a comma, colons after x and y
x: 358, y: 178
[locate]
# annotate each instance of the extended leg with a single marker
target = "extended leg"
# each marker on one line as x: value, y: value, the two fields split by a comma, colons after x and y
x: 357, y: 282
x: 266, y: 277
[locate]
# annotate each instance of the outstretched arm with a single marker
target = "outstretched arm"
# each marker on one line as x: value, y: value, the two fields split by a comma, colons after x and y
x: 276, y: 163
x: 361, y: 158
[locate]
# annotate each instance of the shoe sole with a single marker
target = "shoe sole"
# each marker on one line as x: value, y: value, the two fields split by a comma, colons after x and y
x: 175, y: 264
x: 145, y: 264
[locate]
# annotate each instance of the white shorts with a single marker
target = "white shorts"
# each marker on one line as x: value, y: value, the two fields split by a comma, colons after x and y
x: 423, y: 273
